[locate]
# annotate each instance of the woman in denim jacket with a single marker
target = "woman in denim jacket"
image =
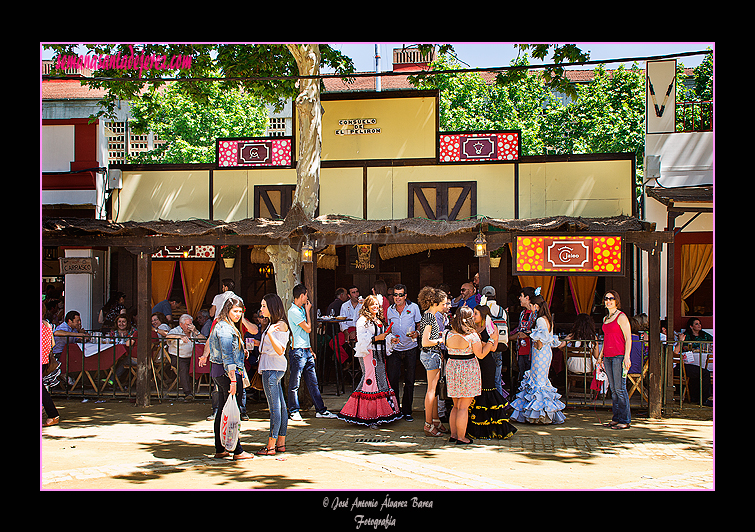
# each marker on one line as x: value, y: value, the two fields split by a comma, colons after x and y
x: 226, y: 356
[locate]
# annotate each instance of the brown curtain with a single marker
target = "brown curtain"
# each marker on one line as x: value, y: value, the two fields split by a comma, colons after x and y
x: 162, y: 279
x: 697, y: 260
x: 545, y: 282
x: 195, y: 276
x: 583, y: 292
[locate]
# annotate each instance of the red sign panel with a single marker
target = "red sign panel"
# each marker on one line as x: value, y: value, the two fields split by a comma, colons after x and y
x: 543, y: 255
x: 266, y: 152
x: 479, y: 146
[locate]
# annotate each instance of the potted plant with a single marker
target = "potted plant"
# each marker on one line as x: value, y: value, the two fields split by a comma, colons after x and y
x: 228, y: 254
x: 495, y: 256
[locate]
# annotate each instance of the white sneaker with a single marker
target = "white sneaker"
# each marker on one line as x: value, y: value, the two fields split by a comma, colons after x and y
x: 295, y: 416
x: 327, y: 414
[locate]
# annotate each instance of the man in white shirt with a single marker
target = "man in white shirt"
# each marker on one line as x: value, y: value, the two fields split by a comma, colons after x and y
x: 404, y: 317
x: 181, y: 341
x: 219, y: 300
x: 350, y: 310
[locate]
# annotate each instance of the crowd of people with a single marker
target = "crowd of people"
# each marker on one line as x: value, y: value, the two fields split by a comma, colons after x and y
x: 458, y: 340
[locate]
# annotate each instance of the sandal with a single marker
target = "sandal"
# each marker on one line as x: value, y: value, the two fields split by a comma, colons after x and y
x: 266, y: 451
x: 222, y: 455
x: 620, y: 426
x: 243, y: 456
x: 439, y: 425
x: 50, y: 421
x: 280, y: 448
x: 431, y: 430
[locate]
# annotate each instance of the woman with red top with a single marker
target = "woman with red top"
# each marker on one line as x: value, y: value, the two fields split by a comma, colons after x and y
x: 47, y: 371
x: 616, y: 358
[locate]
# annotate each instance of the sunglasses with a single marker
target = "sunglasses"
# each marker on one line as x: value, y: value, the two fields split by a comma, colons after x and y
x: 396, y: 294
x: 609, y: 298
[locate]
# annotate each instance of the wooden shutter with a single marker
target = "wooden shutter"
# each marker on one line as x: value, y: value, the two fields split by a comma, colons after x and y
x: 443, y: 200
x: 273, y: 201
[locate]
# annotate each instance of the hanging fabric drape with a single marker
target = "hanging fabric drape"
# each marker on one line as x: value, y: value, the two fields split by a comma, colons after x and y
x: 195, y: 277
x: 583, y: 292
x: 545, y: 282
x: 697, y: 260
x: 162, y: 279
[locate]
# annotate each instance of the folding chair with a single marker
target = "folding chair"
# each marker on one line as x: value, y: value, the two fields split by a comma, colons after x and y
x: 709, y: 360
x: 201, y: 374
x: 681, y: 379
x: 133, y: 372
x: 637, y: 381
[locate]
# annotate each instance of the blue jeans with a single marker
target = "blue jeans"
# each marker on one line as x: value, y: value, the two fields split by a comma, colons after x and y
x: 303, y: 366
x: 618, y: 385
x: 498, y: 357
x: 271, y: 382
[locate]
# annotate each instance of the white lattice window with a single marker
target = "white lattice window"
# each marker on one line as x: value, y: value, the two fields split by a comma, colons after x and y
x: 116, y: 144
x: 276, y: 127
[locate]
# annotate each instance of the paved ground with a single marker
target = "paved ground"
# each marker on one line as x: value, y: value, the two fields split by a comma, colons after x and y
x: 169, y: 445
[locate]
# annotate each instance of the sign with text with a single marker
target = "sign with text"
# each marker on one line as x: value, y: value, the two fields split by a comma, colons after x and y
x: 358, y: 126
x: 544, y: 255
x: 254, y: 152
x: 74, y: 265
x: 362, y: 258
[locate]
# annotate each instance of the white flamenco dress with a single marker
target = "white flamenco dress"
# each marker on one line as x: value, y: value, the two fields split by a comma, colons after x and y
x: 538, y: 400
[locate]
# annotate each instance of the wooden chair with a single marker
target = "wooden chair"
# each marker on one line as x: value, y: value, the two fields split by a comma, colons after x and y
x: 201, y: 374
x: 681, y: 379
x: 579, y: 369
x: 637, y: 381
x: 709, y: 360
x: 133, y: 372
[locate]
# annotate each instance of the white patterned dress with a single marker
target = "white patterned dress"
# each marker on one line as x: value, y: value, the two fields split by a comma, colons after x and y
x: 538, y: 400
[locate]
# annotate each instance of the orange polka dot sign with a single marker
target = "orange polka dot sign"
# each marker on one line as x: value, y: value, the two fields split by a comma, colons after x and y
x: 540, y: 255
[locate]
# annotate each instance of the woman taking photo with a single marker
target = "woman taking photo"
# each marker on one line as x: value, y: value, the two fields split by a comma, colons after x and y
x: 537, y: 400
x: 226, y: 354
x: 373, y: 401
x: 488, y: 417
x: 431, y: 301
x: 463, y: 377
x: 616, y: 358
x: 272, y: 367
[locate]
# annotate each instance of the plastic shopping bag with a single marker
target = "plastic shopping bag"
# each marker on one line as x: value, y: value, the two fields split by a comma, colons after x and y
x: 230, y: 423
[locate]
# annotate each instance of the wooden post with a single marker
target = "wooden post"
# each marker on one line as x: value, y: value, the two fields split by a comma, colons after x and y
x: 144, y: 324
x: 310, y: 281
x: 655, y: 373
x: 484, y: 270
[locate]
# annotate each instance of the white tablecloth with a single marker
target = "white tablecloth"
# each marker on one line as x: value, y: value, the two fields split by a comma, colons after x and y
x: 94, y: 348
x: 692, y: 357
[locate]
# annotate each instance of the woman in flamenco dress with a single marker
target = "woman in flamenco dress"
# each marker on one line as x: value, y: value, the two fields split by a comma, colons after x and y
x: 489, y: 411
x: 374, y: 401
x: 537, y: 400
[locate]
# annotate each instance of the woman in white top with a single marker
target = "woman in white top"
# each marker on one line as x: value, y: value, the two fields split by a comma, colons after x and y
x: 272, y: 366
x: 373, y: 401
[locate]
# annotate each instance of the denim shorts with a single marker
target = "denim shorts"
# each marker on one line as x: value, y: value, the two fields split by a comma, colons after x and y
x: 430, y: 359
